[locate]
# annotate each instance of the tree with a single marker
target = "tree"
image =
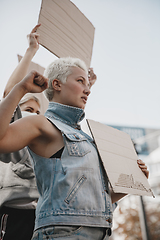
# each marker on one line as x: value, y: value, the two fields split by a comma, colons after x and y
x: 128, y: 224
x: 153, y: 220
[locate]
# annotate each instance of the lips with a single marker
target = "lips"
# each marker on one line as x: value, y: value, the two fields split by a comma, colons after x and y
x: 84, y: 98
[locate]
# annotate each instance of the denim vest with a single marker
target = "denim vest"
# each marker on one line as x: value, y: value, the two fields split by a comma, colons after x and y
x: 74, y: 188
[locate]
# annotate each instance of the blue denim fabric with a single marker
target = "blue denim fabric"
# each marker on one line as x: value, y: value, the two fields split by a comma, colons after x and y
x: 73, y: 189
x: 70, y: 233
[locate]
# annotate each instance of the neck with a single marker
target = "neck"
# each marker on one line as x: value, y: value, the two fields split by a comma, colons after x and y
x: 67, y: 114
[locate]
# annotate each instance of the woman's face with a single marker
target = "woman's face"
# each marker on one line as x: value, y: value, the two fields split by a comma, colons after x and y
x: 30, y: 106
x: 75, y: 91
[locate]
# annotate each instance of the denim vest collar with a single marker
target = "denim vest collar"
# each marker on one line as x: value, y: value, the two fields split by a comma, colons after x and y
x: 66, y: 114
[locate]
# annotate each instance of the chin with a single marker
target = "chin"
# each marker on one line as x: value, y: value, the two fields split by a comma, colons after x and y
x: 82, y: 107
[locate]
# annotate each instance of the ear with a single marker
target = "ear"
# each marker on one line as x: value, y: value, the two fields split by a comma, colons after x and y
x: 56, y: 84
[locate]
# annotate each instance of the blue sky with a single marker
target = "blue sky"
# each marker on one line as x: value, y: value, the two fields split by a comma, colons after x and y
x: 126, y: 55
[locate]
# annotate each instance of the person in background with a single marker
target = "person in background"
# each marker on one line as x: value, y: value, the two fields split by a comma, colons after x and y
x: 29, y: 105
x: 18, y: 192
x: 75, y: 200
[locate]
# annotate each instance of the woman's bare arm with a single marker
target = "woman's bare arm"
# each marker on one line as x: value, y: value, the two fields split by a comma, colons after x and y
x: 10, y: 134
x: 21, y: 70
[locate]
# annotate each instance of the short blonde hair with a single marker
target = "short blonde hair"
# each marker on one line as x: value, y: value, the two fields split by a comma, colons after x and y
x: 60, y: 69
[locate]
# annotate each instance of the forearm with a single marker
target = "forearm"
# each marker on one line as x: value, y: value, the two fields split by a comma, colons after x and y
x: 7, y: 107
x: 20, y: 71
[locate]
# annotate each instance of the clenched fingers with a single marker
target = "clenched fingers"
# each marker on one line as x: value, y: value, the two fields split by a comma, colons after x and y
x: 143, y: 167
x: 41, y: 81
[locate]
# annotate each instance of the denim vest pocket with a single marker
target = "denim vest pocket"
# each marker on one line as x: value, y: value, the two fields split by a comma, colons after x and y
x: 75, y: 189
x: 23, y: 168
x: 76, y: 144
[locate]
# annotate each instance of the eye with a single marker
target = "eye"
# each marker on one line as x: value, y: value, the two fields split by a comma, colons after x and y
x: 29, y: 110
x: 80, y: 80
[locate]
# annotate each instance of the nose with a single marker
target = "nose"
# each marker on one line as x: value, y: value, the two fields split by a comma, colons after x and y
x: 87, y: 90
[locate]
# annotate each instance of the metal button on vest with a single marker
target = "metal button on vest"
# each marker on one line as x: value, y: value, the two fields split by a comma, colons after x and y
x: 109, y: 220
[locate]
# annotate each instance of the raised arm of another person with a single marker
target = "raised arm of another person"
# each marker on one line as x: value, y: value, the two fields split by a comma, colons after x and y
x: 21, y: 70
x: 117, y: 196
x: 34, y: 83
x: 92, y: 77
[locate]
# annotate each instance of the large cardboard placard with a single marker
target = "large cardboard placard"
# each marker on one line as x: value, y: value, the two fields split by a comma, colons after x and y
x: 65, y: 31
x: 119, y: 159
x: 43, y: 100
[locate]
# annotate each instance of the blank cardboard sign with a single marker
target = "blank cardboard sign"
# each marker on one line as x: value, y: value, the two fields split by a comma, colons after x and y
x: 65, y: 31
x: 119, y: 159
x: 43, y: 100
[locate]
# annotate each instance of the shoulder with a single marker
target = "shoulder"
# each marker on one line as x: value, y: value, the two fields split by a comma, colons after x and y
x: 49, y: 137
x: 46, y: 128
